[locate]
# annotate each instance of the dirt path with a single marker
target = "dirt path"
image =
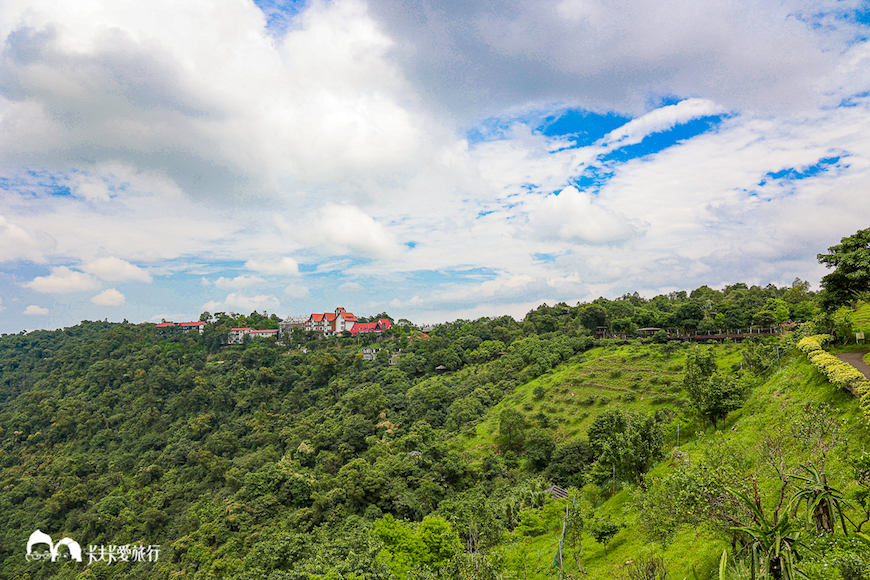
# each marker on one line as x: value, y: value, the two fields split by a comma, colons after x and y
x: 856, y: 359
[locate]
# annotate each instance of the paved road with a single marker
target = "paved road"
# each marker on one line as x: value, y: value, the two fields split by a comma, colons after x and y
x: 856, y: 359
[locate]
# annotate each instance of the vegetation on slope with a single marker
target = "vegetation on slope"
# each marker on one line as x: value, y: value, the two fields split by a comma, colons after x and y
x: 257, y: 462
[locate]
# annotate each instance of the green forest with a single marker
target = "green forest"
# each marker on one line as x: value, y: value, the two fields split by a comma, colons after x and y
x: 541, y: 448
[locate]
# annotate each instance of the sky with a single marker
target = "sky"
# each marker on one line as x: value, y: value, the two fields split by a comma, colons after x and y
x: 434, y: 160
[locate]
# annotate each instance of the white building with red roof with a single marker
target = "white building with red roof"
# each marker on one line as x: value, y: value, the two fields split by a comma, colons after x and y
x: 237, y: 335
x: 366, y: 327
x: 188, y: 326
x: 330, y: 323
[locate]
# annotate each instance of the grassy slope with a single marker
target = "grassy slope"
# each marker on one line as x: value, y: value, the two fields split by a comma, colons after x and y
x: 779, y: 396
x: 576, y: 392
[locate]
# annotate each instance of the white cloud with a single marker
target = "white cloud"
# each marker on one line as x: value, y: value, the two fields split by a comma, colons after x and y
x: 660, y: 120
x: 109, y: 82
x: 17, y: 244
x: 353, y: 230
x: 238, y: 282
x: 62, y: 280
x: 109, y: 297
x: 296, y: 291
x: 616, y: 54
x: 571, y: 215
x: 246, y: 303
x: 90, y: 188
x: 284, y: 266
x: 33, y: 309
x: 115, y: 269
x: 350, y: 287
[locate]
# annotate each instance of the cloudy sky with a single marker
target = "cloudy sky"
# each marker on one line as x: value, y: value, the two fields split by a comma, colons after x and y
x: 435, y: 159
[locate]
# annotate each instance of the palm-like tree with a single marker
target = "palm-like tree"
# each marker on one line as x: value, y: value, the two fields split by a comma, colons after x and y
x: 773, y: 544
x: 821, y: 500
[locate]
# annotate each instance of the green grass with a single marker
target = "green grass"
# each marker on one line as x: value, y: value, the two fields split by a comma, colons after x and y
x: 636, y: 377
x: 776, y: 399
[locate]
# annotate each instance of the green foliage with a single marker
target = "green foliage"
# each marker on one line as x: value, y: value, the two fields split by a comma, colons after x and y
x: 646, y: 568
x: 627, y: 442
x: 568, y: 463
x: 250, y: 462
x: 712, y: 394
x: 774, y: 543
x: 603, y: 530
x: 539, y: 448
x: 427, y: 545
x: 512, y: 429
x: 820, y: 500
x: 851, y: 276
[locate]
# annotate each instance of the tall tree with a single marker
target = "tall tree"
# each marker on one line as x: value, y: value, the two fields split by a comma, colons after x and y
x: 712, y: 394
x: 850, y: 279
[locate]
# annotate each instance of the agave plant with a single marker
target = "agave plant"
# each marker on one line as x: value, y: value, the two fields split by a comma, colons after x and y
x: 821, y: 500
x: 773, y: 544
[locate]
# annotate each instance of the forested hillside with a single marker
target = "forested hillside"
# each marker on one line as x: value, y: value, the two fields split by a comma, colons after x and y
x: 271, y: 461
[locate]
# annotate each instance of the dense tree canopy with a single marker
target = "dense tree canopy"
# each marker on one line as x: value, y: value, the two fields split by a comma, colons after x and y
x: 851, y: 276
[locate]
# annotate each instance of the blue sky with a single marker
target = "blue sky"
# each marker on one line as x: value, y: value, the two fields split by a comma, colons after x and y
x: 434, y: 160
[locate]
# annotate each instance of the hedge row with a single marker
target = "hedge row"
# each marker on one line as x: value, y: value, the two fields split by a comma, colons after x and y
x: 838, y: 372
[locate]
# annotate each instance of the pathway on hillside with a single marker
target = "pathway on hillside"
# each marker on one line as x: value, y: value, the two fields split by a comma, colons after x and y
x: 856, y: 359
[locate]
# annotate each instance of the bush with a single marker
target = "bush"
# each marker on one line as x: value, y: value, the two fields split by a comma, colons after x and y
x: 646, y: 568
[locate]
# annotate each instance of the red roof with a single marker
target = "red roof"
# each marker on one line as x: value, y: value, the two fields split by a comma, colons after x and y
x: 382, y: 324
x: 191, y: 323
x: 363, y: 327
x: 246, y: 328
x: 165, y: 324
x: 265, y: 331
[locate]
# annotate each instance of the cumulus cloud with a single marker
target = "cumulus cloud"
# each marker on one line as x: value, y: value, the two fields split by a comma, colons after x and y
x: 236, y: 300
x: 109, y: 297
x: 62, y: 280
x: 571, y: 215
x: 296, y: 291
x: 353, y: 230
x: 284, y: 266
x: 115, y: 269
x: 33, y: 309
x: 614, y: 54
x: 238, y: 282
x: 108, y: 82
x: 17, y: 244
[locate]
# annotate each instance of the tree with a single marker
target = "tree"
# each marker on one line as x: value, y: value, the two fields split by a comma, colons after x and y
x: 539, y: 448
x: 593, y: 316
x: 511, y: 428
x: 773, y: 543
x: 712, y: 394
x: 821, y: 500
x: 627, y: 442
x: 850, y: 279
x: 568, y: 462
